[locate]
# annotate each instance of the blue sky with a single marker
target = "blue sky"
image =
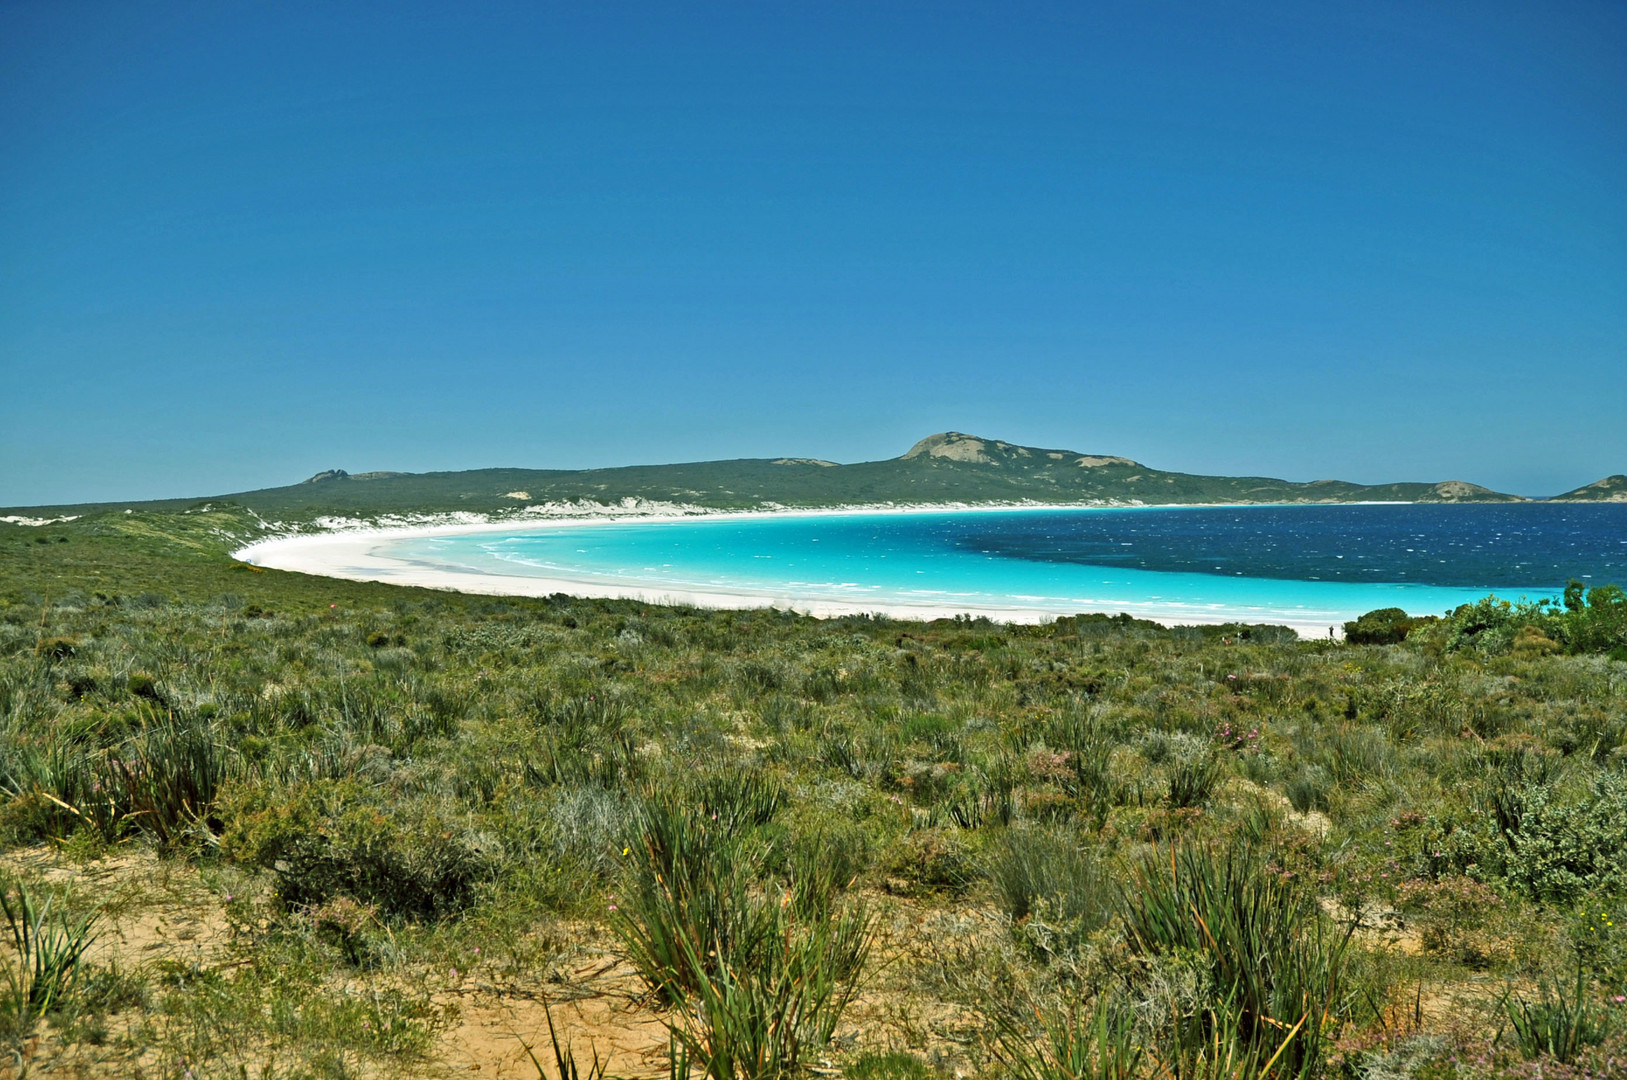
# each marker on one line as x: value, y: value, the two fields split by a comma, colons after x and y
x: 240, y: 243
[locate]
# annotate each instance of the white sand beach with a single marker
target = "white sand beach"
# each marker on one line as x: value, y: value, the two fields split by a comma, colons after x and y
x: 360, y: 553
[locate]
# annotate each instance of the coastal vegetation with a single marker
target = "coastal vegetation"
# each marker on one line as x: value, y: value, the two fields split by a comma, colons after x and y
x: 943, y: 468
x: 261, y: 824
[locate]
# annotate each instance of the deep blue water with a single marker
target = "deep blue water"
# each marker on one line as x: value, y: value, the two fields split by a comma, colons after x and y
x: 1505, y: 546
x: 1309, y: 566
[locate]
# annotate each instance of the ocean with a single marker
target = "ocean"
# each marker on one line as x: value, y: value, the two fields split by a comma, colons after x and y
x: 1307, y: 566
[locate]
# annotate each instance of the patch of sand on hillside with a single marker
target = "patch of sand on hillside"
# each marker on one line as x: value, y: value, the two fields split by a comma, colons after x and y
x: 150, y: 910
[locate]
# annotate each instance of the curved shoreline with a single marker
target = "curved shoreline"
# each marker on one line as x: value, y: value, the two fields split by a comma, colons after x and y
x: 359, y: 553
x: 355, y: 554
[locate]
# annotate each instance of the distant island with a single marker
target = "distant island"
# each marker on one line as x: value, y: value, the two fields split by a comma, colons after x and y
x: 947, y: 468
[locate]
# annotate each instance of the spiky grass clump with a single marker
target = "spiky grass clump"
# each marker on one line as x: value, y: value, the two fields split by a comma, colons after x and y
x: 47, y: 947
x: 1097, y: 1043
x: 1560, y: 1022
x: 1274, y: 962
x: 757, y: 971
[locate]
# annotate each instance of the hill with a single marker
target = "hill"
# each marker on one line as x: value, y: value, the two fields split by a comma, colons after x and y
x: 947, y: 467
x: 1610, y: 489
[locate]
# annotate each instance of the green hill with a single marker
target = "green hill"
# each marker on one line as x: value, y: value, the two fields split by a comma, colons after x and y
x: 1610, y: 489
x: 948, y: 467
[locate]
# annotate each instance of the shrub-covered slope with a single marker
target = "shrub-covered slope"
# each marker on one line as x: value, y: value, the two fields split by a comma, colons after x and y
x: 1099, y: 847
x: 949, y: 467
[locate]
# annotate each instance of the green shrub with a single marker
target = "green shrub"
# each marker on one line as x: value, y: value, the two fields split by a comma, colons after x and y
x: 1488, y: 625
x: 56, y: 648
x: 930, y: 860
x: 1596, y: 622
x: 1556, y: 849
x: 1386, y: 626
x: 142, y: 685
x: 354, y: 929
x: 324, y: 838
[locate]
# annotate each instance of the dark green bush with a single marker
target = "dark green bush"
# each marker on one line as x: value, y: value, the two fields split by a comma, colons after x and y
x: 142, y: 685
x: 408, y: 856
x: 1386, y: 626
x: 1590, y: 621
x: 56, y: 648
x: 1597, y: 621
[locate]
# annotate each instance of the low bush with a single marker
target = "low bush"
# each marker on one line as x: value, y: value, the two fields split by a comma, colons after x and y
x: 1386, y: 626
x: 1551, y: 847
x: 324, y: 838
x: 56, y: 648
x: 936, y: 859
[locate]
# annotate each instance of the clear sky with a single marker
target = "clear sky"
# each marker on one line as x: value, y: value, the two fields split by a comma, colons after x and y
x: 240, y: 243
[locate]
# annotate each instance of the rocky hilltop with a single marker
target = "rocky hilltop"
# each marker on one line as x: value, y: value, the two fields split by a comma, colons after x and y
x: 1610, y: 489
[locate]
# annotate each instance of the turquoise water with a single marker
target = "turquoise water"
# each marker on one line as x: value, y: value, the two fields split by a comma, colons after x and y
x: 1307, y: 566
